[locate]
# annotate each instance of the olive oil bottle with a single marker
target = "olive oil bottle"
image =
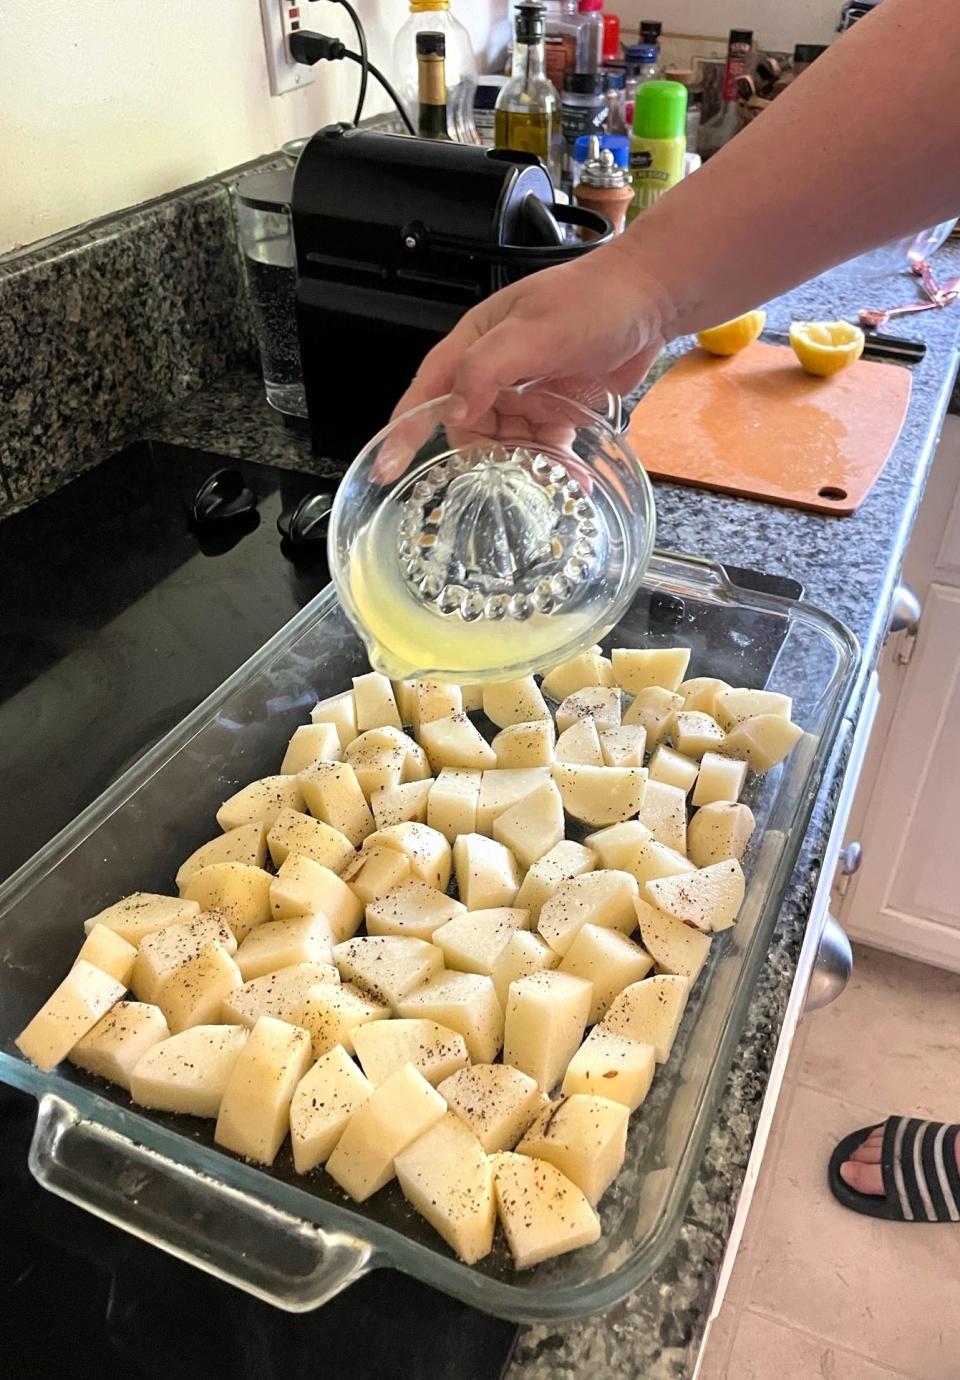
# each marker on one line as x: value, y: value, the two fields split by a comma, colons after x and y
x: 527, y: 116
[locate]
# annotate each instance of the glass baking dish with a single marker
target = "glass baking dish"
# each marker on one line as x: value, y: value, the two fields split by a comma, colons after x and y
x: 294, y: 1241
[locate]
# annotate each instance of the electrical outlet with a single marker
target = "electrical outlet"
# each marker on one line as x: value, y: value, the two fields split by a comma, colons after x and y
x: 281, y: 18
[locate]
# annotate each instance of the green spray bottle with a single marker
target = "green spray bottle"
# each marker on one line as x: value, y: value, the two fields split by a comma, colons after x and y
x: 658, y: 144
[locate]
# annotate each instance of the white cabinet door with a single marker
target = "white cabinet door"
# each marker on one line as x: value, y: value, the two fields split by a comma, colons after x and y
x: 906, y: 896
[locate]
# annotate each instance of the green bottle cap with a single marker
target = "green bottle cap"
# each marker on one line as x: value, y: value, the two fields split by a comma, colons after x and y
x: 660, y: 110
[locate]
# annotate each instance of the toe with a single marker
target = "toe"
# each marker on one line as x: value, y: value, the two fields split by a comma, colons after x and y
x: 869, y: 1152
x: 863, y: 1178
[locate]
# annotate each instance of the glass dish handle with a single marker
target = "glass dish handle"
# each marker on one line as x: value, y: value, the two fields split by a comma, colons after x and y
x: 248, y: 1243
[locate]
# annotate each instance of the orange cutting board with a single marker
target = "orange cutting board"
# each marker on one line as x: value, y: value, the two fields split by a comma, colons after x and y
x: 756, y: 425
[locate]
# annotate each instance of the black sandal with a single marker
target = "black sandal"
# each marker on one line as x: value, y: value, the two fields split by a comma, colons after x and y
x: 918, y: 1159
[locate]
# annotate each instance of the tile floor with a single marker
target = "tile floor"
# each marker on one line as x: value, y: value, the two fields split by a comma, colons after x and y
x: 818, y: 1291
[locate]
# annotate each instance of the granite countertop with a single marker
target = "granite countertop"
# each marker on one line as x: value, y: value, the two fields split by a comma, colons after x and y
x: 849, y: 566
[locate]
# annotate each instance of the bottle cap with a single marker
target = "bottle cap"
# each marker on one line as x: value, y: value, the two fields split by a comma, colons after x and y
x: 589, y: 6
x: 660, y: 110
x: 431, y: 44
x: 530, y: 22
x: 600, y: 170
x: 614, y: 81
x: 640, y: 54
x: 618, y: 144
x: 808, y: 52
x: 744, y: 36
x: 611, y: 37
x: 583, y: 83
x: 424, y: 6
x: 650, y: 30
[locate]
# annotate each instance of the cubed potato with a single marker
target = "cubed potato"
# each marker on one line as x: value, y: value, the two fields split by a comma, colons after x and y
x: 308, y: 838
x: 474, y: 941
x: 630, y: 847
x: 395, y: 1114
x: 254, y: 1115
x: 385, y: 1046
x: 598, y: 702
x: 332, y: 793
x: 141, y: 914
x: 331, y: 1014
x: 305, y: 887
x: 544, y: 1022
x: 412, y: 909
x: 542, y: 1213
x: 673, y: 946
x: 464, y: 1002
x: 239, y: 892
x: 378, y: 765
x: 579, y: 745
x: 500, y: 790
x: 596, y: 898
x: 762, y: 741
x: 387, y: 966
x: 374, y: 702
x: 435, y: 699
x: 527, y: 744
x: 664, y: 812
x: 637, y: 668
x: 452, y: 806
x: 524, y: 953
x: 426, y: 850
x: 601, y: 795
x: 534, y: 826
x: 193, y: 992
x: 119, y: 1040
x: 700, y: 693
x: 514, y: 702
x: 407, y: 803
x: 487, y: 872
x: 650, y: 1011
x: 261, y: 802
x: 456, y: 742
x: 496, y: 1101
x: 339, y: 710
x: 733, y: 707
x: 311, y: 743
x: 720, y: 778
x: 188, y: 1073
x: 623, y: 747
x: 279, y: 994
x: 166, y: 950
x: 247, y: 845
x: 613, y: 1066
x: 446, y: 1177
x: 672, y: 768
x: 567, y: 859
x: 580, y: 672
x: 405, y: 694
x: 694, y: 734
x: 718, y: 831
x: 472, y: 697
x: 609, y: 961
x: 281, y: 943
x: 583, y: 1136
x: 375, y: 872
x: 708, y: 898
x: 106, y: 950
x: 324, y: 1101
x: 653, y: 710
x: 416, y: 766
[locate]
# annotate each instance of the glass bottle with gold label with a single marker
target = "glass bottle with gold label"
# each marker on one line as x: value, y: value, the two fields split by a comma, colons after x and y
x: 528, y: 113
x: 432, y: 87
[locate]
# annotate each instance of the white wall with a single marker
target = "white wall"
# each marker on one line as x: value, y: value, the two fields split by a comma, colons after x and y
x: 105, y: 104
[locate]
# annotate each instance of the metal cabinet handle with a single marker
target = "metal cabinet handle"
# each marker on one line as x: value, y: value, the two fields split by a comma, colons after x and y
x: 831, y: 967
x: 905, y: 611
x: 851, y: 858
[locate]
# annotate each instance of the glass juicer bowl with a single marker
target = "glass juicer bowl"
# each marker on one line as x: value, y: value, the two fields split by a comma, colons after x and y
x: 489, y: 553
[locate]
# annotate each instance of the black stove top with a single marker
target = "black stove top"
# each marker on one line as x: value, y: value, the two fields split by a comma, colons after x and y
x: 126, y: 598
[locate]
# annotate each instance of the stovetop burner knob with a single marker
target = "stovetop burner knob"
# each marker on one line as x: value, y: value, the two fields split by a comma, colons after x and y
x: 222, y: 497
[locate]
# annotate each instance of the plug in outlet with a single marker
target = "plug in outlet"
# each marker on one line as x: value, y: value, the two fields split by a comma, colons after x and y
x: 281, y: 18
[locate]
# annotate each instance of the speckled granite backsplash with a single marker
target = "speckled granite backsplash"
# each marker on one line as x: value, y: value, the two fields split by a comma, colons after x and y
x: 109, y: 321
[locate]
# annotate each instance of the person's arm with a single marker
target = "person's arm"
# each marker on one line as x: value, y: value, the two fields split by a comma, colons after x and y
x: 863, y: 148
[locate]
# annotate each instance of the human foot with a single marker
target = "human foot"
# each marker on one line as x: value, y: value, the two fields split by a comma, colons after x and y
x: 904, y: 1170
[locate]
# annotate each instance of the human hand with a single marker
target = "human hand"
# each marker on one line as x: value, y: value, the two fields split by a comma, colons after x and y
x: 599, y: 319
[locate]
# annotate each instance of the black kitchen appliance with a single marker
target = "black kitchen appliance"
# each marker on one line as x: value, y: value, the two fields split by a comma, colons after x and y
x: 396, y: 238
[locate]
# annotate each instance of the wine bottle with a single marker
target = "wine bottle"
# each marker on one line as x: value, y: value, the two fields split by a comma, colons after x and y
x: 432, y: 86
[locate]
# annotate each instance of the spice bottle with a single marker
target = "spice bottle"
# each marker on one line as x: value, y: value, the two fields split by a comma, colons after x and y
x: 658, y: 144
x: 604, y: 187
x: 728, y: 121
x: 584, y: 111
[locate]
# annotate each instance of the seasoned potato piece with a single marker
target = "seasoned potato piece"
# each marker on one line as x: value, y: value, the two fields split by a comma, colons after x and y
x: 597, y: 702
x: 407, y: 803
x: 374, y: 702
x: 718, y: 831
x: 672, y: 768
x: 708, y: 898
x: 733, y: 707
x: 533, y: 827
x: 447, y: 1178
x: 514, y: 702
x: 141, y: 914
x: 387, y: 966
x: 119, y: 1040
x: 83, y: 997
x: 567, y: 859
x: 310, y: 838
x: 527, y: 744
x: 544, y: 1022
x: 587, y: 669
x: 579, y: 745
x: 188, y: 1072
x: 248, y: 845
x: 254, y: 1115
x: 607, y: 959
x: 392, y: 1117
x: 525, y: 953
x: 611, y: 1065
x: 601, y: 795
x: 664, y: 812
x: 324, y: 1101
x: 311, y: 743
x: 487, y: 872
x: 261, y: 802
x: 464, y: 1002
x: 649, y: 1011
x: 542, y: 1213
x: 305, y: 887
x: 474, y: 941
x: 500, y: 790
x: 281, y: 943
x: 413, y: 909
x: 456, y: 742
x: 106, y: 950
x: 240, y: 893
x: 762, y: 741
x: 653, y: 710
x: 331, y: 792
x: 434, y: 1050
x: 583, y: 1136
x: 674, y: 946
x: 636, y: 669
x: 701, y: 693
x: 496, y: 1101
x: 339, y: 710
x: 596, y: 898
x: 452, y: 807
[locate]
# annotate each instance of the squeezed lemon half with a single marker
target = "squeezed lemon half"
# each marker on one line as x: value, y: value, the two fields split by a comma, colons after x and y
x: 826, y: 347
x: 731, y: 337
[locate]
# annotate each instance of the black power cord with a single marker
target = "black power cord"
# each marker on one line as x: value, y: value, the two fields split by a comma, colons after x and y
x: 308, y: 48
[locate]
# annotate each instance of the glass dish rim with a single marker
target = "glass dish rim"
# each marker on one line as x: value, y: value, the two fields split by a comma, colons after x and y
x: 387, y: 1247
